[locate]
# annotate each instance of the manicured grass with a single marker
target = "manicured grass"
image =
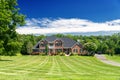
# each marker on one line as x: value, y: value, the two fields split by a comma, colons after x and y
x: 56, y: 68
x: 114, y: 58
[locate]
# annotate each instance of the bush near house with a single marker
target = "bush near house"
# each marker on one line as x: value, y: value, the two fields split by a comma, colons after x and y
x: 62, y: 54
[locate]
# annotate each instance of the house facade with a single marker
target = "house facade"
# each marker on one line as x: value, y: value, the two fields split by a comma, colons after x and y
x: 56, y: 45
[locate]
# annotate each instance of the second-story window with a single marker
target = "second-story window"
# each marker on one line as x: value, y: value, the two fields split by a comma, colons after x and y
x: 58, y: 43
x: 50, y: 44
x: 42, y: 44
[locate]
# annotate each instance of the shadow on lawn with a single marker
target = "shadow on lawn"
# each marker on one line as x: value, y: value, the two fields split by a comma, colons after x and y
x: 6, y: 60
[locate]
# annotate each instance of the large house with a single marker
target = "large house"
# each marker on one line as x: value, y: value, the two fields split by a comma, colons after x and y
x: 55, y: 45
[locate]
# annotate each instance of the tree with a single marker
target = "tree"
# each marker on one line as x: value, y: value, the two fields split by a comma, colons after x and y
x: 59, y: 35
x: 46, y: 49
x: 29, y: 47
x: 90, y: 47
x: 1, y: 48
x: 10, y: 18
x: 104, y: 47
x: 111, y: 47
x: 32, y: 39
x: 13, y: 47
x: 117, y: 48
x: 24, y: 49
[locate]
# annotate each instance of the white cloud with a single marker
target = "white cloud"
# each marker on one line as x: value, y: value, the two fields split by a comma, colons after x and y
x: 61, y: 25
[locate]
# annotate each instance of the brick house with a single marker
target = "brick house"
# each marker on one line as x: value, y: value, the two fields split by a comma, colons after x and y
x: 56, y: 45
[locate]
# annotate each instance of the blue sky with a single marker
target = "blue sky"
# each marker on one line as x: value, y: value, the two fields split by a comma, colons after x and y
x: 94, y: 10
x: 69, y: 16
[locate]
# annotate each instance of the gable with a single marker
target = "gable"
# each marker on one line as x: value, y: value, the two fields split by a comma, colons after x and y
x: 50, y: 38
x: 37, y: 45
x: 76, y: 46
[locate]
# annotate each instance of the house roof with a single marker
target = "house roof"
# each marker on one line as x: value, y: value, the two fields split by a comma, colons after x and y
x: 67, y: 42
x: 50, y: 38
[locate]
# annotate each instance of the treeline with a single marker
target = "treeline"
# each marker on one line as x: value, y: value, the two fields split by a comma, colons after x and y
x: 98, y: 44
x: 92, y: 44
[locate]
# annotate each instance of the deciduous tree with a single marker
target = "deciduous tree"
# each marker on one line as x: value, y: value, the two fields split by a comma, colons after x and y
x: 29, y: 47
x: 90, y: 47
x: 10, y: 18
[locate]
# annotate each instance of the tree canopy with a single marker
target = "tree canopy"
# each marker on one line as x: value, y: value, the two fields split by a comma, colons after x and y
x: 10, y: 18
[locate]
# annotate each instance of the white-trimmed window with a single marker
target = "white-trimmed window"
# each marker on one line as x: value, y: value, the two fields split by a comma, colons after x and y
x: 42, y: 44
x: 58, y: 43
x: 75, y: 50
x: 81, y: 50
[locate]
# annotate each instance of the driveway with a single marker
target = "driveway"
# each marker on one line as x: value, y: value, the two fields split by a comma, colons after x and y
x: 102, y: 58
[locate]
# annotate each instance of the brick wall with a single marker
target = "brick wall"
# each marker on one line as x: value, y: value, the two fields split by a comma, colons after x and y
x: 77, y: 48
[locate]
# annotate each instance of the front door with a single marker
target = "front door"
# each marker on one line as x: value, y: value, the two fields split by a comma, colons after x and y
x: 67, y: 51
x: 51, y: 51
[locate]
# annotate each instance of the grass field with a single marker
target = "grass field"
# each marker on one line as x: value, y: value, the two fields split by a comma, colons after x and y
x: 114, y: 58
x: 56, y: 68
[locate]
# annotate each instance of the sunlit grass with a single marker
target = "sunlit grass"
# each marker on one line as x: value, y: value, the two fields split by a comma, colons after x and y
x: 114, y: 58
x: 56, y: 68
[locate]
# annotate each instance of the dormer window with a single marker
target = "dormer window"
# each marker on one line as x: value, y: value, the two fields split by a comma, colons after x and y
x: 58, y: 43
x: 42, y: 44
x: 50, y: 44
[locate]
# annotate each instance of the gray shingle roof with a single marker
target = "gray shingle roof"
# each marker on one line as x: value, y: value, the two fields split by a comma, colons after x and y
x: 67, y: 42
x: 50, y: 38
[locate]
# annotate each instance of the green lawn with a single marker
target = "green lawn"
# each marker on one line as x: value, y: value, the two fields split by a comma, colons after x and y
x: 56, y: 68
x: 114, y: 58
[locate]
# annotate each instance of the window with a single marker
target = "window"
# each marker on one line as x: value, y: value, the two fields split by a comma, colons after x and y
x: 50, y: 44
x: 42, y: 44
x: 75, y: 50
x: 42, y: 50
x: 58, y: 50
x: 58, y: 43
x: 81, y: 50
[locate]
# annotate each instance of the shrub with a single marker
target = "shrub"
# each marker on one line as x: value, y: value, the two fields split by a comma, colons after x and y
x: 18, y: 54
x: 73, y: 54
x: 110, y: 52
x: 91, y: 53
x: 86, y: 53
x: 62, y: 54
x: 42, y: 54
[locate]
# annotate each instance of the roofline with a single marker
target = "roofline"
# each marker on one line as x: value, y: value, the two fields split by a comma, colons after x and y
x: 52, y: 41
x: 58, y: 39
x: 66, y: 47
x: 74, y: 45
x: 36, y: 44
x: 42, y: 40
